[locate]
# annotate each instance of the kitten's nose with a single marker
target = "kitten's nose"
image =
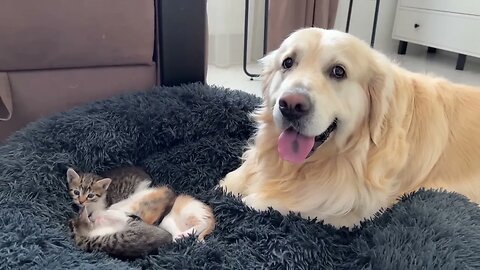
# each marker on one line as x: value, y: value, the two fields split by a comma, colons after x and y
x: 82, y: 200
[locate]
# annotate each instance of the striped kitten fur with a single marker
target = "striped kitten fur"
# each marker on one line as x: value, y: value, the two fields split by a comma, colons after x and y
x: 118, y: 234
x: 97, y: 192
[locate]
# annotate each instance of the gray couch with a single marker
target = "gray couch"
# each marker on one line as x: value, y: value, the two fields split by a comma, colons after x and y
x: 57, y: 54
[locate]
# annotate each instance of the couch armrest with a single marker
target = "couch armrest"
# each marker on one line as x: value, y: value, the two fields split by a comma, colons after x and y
x: 182, y: 33
x: 6, y: 106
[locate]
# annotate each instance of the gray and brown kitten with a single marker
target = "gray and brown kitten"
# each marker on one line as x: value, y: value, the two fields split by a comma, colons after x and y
x: 117, y: 233
x: 97, y: 192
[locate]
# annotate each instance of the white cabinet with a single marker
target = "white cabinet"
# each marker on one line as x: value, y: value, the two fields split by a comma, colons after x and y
x: 450, y: 25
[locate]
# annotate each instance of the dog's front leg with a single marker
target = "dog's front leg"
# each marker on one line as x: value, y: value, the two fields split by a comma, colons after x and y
x: 235, y: 181
x: 259, y: 203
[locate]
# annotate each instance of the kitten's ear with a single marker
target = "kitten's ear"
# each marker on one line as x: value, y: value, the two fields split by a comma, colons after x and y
x: 104, y: 183
x: 72, y: 176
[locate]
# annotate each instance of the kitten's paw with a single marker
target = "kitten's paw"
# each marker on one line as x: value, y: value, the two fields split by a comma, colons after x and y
x: 177, y: 237
x: 182, y: 235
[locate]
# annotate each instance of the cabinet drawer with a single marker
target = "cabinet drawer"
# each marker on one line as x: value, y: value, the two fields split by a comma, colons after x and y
x: 454, y: 6
x: 452, y: 32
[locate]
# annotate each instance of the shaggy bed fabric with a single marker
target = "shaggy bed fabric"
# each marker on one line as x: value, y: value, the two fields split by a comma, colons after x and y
x: 189, y: 137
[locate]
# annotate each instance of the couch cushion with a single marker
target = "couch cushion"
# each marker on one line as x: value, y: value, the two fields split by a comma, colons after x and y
x: 82, y: 33
x: 40, y: 93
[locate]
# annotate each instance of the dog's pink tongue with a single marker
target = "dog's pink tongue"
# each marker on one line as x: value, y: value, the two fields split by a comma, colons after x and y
x: 293, y: 146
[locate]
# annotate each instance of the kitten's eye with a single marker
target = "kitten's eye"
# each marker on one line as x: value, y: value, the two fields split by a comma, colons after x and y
x: 90, y: 196
x: 288, y: 63
x: 76, y: 192
x: 338, y: 72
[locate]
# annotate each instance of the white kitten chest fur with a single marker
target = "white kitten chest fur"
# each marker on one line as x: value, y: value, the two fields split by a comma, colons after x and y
x: 97, y: 207
x: 109, y: 222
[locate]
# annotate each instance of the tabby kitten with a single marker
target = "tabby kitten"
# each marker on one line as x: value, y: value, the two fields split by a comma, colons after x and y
x: 117, y: 233
x: 90, y: 190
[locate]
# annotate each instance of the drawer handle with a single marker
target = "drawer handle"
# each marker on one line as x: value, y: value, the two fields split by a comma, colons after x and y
x: 416, y: 25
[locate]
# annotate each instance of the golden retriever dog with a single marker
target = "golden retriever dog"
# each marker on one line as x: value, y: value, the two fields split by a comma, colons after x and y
x: 344, y: 132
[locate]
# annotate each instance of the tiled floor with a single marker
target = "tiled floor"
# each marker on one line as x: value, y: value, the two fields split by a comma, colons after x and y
x: 440, y: 64
x: 234, y: 78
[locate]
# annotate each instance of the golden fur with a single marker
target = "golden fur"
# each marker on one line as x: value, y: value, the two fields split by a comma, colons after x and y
x: 398, y: 131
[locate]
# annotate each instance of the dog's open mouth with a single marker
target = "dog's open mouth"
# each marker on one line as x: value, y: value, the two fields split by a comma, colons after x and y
x: 296, y: 147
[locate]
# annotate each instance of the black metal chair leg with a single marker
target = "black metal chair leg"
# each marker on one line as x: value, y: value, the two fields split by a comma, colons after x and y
x: 245, y: 37
x: 349, y: 15
x: 375, y: 21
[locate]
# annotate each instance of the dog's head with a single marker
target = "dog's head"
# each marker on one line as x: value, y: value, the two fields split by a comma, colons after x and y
x: 322, y: 86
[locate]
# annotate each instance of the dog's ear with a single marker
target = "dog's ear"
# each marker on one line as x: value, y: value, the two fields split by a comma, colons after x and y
x: 380, y: 90
x: 268, y: 70
x: 264, y: 113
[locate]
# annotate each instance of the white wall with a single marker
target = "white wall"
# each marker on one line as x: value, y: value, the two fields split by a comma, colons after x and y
x: 256, y: 23
x: 226, y: 22
x: 361, y: 22
x: 226, y: 26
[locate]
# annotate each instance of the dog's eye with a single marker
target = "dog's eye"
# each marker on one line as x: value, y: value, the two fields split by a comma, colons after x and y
x: 287, y: 63
x: 338, y: 72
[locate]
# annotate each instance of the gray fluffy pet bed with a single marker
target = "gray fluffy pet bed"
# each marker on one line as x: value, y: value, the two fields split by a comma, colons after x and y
x: 189, y: 137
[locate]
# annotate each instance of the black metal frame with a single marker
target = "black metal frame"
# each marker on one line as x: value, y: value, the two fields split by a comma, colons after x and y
x: 265, y: 32
x: 375, y: 21
x: 180, y: 41
x: 245, y: 37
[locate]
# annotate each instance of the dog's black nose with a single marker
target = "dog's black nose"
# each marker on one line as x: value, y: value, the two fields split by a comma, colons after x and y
x: 294, y: 106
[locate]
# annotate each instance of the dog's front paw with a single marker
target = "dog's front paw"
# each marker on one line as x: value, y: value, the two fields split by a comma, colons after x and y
x: 259, y: 203
x: 255, y: 202
x: 229, y: 186
x: 222, y: 186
